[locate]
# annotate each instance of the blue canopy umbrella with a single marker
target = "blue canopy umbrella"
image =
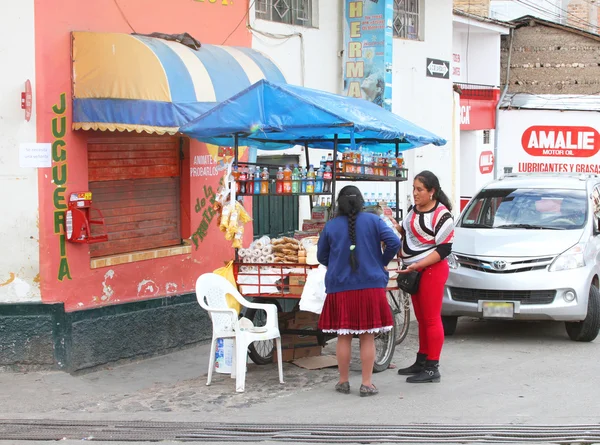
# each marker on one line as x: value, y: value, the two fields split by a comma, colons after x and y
x: 273, y: 116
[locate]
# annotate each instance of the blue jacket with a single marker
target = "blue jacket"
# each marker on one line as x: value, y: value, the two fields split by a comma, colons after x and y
x: 334, y: 252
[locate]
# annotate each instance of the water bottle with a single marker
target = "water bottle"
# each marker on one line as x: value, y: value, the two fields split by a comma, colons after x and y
x: 257, y: 181
x: 319, y: 181
x: 303, y: 181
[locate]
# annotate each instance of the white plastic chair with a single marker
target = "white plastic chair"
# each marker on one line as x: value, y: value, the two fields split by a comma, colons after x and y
x: 211, y: 290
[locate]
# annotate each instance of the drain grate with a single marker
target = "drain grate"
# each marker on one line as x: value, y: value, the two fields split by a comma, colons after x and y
x: 141, y: 431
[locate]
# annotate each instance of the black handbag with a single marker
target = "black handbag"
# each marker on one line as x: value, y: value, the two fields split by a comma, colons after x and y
x: 409, y: 282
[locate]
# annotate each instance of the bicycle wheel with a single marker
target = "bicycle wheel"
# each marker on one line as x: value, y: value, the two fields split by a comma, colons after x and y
x: 384, y: 350
x: 400, y: 303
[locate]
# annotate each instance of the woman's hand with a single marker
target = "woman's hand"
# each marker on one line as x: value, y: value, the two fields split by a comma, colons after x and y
x: 410, y: 268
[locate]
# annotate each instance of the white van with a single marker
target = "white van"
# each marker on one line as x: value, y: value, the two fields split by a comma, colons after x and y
x: 527, y: 247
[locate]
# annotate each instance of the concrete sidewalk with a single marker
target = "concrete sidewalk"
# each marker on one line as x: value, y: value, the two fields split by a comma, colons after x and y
x: 493, y: 373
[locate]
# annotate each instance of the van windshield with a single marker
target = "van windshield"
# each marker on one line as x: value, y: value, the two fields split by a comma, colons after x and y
x: 526, y: 209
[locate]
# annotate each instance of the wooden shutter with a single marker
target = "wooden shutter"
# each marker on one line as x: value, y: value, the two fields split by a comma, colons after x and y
x: 135, y: 184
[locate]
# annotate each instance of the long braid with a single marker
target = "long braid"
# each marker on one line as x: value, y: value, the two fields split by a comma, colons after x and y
x: 350, y: 204
x: 352, y: 233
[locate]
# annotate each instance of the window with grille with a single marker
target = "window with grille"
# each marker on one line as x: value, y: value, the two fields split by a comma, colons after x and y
x: 291, y: 12
x: 407, y: 19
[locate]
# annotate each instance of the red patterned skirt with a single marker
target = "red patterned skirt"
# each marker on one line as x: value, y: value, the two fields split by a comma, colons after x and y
x: 356, y: 312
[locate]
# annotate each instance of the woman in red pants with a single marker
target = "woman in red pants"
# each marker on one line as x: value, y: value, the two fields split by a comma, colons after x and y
x: 428, y: 232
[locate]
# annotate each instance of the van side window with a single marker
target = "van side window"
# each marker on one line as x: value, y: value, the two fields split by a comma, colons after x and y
x: 596, y: 202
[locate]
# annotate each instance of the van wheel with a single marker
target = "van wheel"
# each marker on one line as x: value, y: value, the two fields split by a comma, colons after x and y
x: 587, y: 330
x: 449, y: 323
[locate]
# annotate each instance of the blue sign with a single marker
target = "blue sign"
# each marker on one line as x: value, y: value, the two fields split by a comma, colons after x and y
x: 368, y: 46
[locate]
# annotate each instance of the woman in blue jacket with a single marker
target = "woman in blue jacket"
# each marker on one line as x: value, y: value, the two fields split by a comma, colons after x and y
x: 356, y: 279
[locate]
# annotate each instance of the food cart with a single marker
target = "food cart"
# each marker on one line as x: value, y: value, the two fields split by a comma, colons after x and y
x: 274, y: 116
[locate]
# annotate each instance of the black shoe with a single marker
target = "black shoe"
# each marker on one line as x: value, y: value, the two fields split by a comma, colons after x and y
x: 429, y: 374
x: 416, y: 367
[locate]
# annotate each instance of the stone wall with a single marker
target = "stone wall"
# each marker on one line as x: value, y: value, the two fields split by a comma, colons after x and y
x: 546, y: 60
x: 476, y: 7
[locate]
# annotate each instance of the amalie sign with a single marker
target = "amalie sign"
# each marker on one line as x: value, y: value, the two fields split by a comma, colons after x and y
x: 561, y: 141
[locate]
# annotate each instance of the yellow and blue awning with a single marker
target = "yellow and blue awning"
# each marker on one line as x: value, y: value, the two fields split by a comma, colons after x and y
x: 136, y: 83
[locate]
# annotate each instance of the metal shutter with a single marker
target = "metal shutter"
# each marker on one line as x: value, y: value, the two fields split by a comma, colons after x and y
x: 134, y: 182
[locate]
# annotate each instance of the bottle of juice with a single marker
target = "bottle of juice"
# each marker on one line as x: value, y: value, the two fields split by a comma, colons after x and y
x: 243, y: 178
x: 279, y: 181
x: 236, y: 178
x: 250, y: 182
x: 296, y: 180
x: 257, y: 181
x: 303, y: 180
x: 310, y: 180
x: 264, y: 184
x: 287, y: 181
x: 327, y: 177
x: 319, y: 181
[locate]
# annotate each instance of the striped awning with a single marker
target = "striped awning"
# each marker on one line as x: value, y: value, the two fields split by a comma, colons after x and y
x: 135, y: 83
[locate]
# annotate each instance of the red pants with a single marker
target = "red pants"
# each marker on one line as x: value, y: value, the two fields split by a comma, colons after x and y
x: 427, y: 303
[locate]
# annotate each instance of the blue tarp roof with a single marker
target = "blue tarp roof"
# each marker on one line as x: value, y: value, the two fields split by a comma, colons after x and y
x: 273, y: 116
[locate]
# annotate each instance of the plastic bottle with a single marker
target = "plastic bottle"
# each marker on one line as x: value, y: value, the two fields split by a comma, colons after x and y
x: 380, y: 199
x: 310, y: 180
x: 287, y: 180
x: 323, y: 162
x: 388, y: 200
x: 295, y: 180
x: 373, y: 199
x: 319, y: 181
x: 327, y: 178
x: 250, y: 182
x: 330, y: 160
x: 257, y: 181
x: 279, y: 181
x: 264, y: 184
x: 236, y: 178
x: 303, y: 181
x: 243, y: 179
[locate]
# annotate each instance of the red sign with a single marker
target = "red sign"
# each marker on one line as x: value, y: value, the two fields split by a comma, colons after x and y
x: 478, y: 108
x: 27, y: 100
x: 563, y: 141
x: 486, y: 162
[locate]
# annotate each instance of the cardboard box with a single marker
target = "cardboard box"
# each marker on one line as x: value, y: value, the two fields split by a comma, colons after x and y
x: 320, y: 213
x: 309, y: 225
x: 309, y: 351
x: 305, y: 234
x: 297, y: 284
x: 287, y: 355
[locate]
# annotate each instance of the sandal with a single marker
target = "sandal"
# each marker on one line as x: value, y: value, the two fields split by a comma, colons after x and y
x: 344, y: 388
x: 366, y: 391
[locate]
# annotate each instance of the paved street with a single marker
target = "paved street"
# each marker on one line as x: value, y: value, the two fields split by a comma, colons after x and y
x: 493, y: 372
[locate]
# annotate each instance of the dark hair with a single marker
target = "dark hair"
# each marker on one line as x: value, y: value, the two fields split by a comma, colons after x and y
x: 431, y: 182
x: 350, y: 203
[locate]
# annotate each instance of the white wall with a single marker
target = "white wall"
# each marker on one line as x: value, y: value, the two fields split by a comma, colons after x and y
x: 479, y: 51
x: 427, y: 102
x: 513, y: 123
x: 19, y: 262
